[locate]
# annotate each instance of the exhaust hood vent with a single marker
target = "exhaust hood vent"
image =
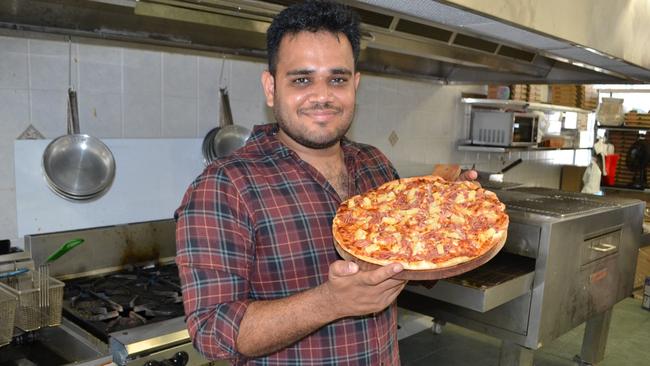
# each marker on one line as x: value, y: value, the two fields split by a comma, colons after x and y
x: 372, y: 18
x: 475, y: 43
x: 415, y: 38
x: 516, y: 53
x: 422, y: 30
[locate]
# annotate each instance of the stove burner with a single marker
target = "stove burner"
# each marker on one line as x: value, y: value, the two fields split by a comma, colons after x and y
x: 124, y: 300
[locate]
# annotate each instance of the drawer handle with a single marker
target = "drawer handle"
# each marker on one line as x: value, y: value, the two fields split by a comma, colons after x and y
x: 604, y: 247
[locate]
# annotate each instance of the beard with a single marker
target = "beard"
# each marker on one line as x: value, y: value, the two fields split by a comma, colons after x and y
x: 301, y: 134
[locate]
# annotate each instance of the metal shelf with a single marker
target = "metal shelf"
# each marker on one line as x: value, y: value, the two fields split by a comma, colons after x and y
x: 623, y: 128
x: 520, y: 104
x: 480, y: 148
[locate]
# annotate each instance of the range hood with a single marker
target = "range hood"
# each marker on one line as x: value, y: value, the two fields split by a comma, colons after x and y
x: 416, y: 38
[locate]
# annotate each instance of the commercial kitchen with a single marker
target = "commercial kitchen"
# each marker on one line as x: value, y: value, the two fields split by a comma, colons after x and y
x: 541, y: 98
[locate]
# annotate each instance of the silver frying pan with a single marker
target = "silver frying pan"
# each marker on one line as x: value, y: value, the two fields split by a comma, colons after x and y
x: 230, y: 136
x: 227, y: 137
x: 78, y: 167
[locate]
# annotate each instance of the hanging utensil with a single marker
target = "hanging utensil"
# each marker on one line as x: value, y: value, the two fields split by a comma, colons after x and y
x: 230, y: 136
x: 68, y: 246
x: 44, y: 278
x: 14, y: 273
x: 208, y: 140
x: 498, y: 177
x: 226, y: 137
x: 78, y: 167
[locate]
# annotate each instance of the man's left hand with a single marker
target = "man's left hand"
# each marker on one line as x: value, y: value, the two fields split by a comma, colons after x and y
x: 468, y: 175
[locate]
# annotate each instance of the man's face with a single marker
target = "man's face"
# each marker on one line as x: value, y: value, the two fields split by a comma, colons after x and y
x: 313, y: 91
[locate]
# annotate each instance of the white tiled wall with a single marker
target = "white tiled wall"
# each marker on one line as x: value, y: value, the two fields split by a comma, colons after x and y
x: 131, y: 91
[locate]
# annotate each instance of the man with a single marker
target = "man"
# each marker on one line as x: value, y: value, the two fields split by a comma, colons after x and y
x: 262, y: 283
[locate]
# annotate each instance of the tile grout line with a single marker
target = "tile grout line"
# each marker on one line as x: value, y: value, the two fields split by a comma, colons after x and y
x: 122, y: 99
x: 162, y: 92
x: 198, y: 97
x: 29, y: 81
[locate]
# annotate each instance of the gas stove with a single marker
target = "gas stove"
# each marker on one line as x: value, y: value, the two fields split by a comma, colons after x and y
x: 122, y: 295
x: 126, y: 299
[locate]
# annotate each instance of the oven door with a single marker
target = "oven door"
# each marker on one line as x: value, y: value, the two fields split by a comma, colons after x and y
x: 524, y: 130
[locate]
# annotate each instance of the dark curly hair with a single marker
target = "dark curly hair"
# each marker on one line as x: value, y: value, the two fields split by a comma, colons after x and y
x: 312, y: 16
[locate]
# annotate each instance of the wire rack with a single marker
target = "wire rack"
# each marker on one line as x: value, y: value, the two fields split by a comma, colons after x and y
x: 31, y: 312
x: 8, y: 303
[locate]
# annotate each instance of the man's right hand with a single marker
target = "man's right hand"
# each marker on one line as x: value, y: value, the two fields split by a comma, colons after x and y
x: 353, y: 292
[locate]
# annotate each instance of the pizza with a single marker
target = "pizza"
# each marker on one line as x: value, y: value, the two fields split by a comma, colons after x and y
x: 421, y: 222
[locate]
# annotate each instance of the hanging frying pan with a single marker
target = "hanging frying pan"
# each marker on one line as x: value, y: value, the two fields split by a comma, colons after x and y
x: 227, y: 137
x: 230, y: 136
x: 78, y: 167
x: 224, y: 120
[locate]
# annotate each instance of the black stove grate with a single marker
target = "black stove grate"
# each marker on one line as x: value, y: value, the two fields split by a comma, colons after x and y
x: 123, y: 300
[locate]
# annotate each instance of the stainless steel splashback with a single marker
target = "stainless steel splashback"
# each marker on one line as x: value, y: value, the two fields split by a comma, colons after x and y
x: 106, y: 249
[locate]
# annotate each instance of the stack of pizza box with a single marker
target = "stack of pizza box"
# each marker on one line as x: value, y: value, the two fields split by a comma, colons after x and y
x: 566, y: 95
x: 635, y: 119
x: 537, y: 93
x: 587, y: 97
x: 579, y: 96
x: 519, y: 92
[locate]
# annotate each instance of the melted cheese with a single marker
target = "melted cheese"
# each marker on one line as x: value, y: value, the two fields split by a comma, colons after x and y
x: 371, y: 248
x: 487, y: 234
x: 360, y: 234
x: 418, y: 247
x: 456, y: 219
x: 410, y: 212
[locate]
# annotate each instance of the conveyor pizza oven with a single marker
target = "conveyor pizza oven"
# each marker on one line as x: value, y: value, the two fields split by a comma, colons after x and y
x: 568, y: 259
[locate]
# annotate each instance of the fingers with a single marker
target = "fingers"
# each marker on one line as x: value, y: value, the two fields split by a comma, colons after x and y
x: 343, y: 268
x: 468, y: 175
x: 382, y: 274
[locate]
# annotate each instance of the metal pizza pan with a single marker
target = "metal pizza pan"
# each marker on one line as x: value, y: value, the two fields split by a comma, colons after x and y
x: 428, y: 274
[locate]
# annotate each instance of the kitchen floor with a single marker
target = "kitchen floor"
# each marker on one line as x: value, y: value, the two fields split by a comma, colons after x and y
x: 628, y: 342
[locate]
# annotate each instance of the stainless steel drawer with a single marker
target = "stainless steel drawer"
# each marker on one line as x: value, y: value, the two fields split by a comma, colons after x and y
x: 600, y: 246
x: 504, y: 278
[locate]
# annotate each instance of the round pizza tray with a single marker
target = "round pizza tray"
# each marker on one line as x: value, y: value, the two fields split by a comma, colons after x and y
x: 427, y: 274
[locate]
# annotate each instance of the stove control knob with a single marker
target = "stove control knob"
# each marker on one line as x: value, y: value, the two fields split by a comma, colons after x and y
x: 180, y: 359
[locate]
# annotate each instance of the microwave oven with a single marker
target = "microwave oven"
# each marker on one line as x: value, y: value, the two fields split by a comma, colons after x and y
x: 498, y: 128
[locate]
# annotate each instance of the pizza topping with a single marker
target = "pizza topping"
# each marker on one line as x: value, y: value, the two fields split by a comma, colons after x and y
x: 440, y: 249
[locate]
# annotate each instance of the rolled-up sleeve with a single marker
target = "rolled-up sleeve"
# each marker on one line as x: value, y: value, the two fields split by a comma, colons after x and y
x: 214, y: 240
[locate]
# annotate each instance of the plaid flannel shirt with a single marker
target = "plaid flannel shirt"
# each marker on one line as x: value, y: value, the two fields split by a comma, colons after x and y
x: 257, y: 226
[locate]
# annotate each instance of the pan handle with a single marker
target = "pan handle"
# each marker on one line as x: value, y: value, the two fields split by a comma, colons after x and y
x: 73, y: 113
x: 226, y: 112
x: 512, y: 165
x: 13, y: 273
